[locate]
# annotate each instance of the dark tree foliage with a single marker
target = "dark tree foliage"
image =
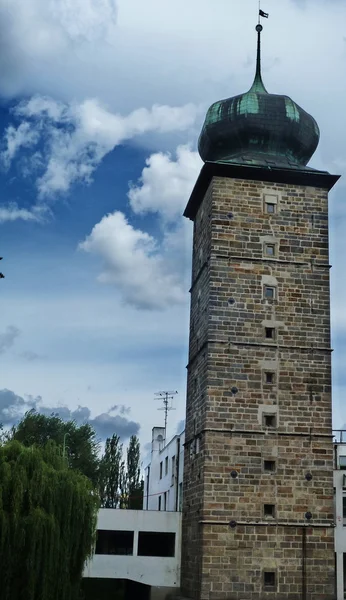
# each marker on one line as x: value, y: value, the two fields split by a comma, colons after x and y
x: 134, y: 485
x: 119, y: 483
x: 111, y: 473
x: 47, y: 523
x: 80, y: 444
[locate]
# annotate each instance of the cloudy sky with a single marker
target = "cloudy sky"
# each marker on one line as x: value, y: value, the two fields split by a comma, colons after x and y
x: 101, y: 105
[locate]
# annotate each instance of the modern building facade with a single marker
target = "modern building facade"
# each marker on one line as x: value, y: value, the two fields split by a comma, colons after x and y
x: 340, y: 511
x: 163, y: 483
x: 258, y: 518
x: 140, y: 547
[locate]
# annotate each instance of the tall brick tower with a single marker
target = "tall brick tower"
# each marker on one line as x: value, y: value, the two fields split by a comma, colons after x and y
x: 258, y: 473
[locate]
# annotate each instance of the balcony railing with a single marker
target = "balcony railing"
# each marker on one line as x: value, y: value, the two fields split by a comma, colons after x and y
x: 339, y: 436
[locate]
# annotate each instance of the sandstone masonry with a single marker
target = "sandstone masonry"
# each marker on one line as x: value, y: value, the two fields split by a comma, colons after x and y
x: 259, y: 453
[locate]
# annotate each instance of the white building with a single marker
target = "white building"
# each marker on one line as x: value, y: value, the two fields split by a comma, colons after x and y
x: 340, y: 511
x: 163, y: 485
x: 138, y: 546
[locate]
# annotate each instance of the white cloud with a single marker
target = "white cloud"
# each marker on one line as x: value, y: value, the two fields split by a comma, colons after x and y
x: 12, y: 212
x: 41, y: 106
x: 40, y: 32
x: 78, y: 136
x: 151, y: 274
x: 132, y: 261
x: 166, y: 184
x: 24, y: 136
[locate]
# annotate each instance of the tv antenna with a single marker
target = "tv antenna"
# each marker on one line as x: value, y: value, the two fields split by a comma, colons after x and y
x: 166, y: 397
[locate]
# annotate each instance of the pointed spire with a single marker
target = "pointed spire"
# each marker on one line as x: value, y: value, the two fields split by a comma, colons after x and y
x: 258, y: 85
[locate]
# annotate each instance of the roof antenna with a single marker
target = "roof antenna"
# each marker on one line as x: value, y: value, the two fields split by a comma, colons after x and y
x: 166, y: 396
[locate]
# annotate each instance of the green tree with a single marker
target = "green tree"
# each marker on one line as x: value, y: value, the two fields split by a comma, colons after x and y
x: 119, y: 483
x: 79, y: 443
x: 48, y: 515
x: 111, y: 473
x: 134, y: 486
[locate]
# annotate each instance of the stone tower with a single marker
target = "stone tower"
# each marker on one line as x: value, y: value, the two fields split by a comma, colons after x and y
x: 258, y: 473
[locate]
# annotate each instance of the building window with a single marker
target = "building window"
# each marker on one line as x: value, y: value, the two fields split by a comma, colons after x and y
x: 114, y: 542
x: 269, y: 292
x: 344, y: 509
x: 270, y: 203
x: 161, y: 470
x: 270, y: 208
x: 269, y: 579
x: 342, y: 462
x: 152, y: 543
x: 269, y: 377
x: 166, y: 465
x: 269, y: 510
x: 159, y: 506
x: 165, y: 501
x: 269, y: 250
x: 173, y: 469
x: 270, y: 333
x: 269, y: 466
x: 269, y: 421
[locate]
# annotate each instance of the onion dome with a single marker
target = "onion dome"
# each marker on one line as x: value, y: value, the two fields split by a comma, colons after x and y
x: 258, y: 128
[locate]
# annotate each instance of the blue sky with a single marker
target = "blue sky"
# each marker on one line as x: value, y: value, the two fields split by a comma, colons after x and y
x: 101, y: 105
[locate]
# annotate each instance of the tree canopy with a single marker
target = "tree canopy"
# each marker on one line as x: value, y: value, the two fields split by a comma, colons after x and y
x: 79, y: 442
x: 119, y: 482
x: 48, y: 515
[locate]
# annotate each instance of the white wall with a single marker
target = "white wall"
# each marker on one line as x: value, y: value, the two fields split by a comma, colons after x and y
x: 340, y: 522
x: 154, y: 571
x: 340, y: 529
x: 170, y: 483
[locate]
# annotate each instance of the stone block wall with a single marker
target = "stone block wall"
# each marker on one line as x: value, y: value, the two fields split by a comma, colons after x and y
x: 259, y: 418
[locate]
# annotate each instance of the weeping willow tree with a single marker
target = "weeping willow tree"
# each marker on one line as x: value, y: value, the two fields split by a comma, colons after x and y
x: 48, y: 515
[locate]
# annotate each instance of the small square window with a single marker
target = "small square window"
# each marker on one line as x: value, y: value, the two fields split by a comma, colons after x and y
x: 269, y: 377
x: 269, y: 579
x: 269, y: 249
x: 270, y: 333
x: 270, y: 208
x: 269, y: 420
x: 269, y: 292
x: 269, y: 510
x: 269, y: 465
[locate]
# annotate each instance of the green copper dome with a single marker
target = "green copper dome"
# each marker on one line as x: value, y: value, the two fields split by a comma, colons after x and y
x: 258, y: 128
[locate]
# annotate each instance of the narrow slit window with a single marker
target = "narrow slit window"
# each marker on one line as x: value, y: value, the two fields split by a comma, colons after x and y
x: 269, y: 466
x: 269, y: 421
x: 269, y: 292
x: 269, y: 250
x: 161, y: 468
x: 270, y: 333
x: 269, y: 579
x: 269, y: 377
x: 270, y: 208
x: 269, y: 510
x: 270, y: 203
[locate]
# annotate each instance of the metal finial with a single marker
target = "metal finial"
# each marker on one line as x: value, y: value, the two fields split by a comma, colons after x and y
x: 258, y: 85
